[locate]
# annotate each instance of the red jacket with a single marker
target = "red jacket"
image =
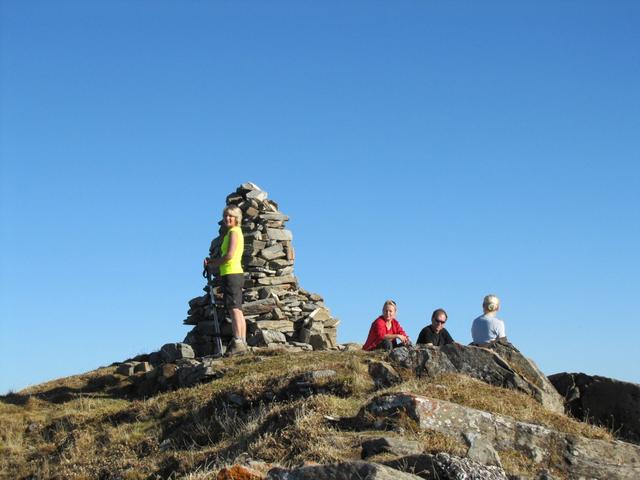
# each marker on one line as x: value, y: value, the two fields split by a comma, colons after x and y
x: 378, y: 331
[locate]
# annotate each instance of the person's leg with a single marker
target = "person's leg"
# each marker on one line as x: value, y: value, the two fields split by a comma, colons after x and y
x: 385, y: 344
x: 238, y: 324
x: 238, y: 344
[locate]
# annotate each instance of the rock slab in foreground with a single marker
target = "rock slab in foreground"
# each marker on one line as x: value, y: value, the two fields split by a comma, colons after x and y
x: 578, y: 456
x: 443, y: 466
x: 341, y: 471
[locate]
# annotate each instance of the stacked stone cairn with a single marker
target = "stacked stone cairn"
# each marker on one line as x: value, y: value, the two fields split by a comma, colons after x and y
x: 279, y: 313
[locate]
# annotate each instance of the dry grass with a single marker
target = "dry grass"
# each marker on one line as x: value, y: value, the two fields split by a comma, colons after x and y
x: 473, y: 393
x: 87, y: 426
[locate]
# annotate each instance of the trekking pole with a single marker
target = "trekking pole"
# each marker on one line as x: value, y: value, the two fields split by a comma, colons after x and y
x: 216, y: 324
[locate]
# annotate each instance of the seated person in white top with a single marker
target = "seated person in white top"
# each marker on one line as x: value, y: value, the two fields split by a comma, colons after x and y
x: 487, y: 327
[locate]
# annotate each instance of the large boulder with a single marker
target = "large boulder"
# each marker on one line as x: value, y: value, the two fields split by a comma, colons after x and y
x: 526, y: 368
x: 481, y: 363
x: 611, y: 403
x: 577, y: 456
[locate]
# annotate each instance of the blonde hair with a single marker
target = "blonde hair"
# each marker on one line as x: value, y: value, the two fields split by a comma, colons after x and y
x: 389, y: 302
x: 491, y: 303
x: 234, y: 211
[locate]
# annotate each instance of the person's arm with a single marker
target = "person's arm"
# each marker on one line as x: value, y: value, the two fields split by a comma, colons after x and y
x: 400, y: 334
x: 503, y: 333
x: 447, y: 338
x: 422, y: 336
x: 500, y: 331
x: 216, y: 262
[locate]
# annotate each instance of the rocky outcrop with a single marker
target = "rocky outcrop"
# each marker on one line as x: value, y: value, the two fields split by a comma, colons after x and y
x: 277, y: 310
x: 526, y: 368
x: 578, y: 456
x: 481, y: 363
x: 607, y: 402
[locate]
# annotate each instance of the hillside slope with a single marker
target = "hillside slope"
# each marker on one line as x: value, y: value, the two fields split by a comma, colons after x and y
x: 274, y: 408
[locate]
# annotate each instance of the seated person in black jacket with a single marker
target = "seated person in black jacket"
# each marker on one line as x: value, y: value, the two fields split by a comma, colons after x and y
x: 435, y: 334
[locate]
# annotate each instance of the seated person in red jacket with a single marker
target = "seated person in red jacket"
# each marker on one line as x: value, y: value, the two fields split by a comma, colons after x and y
x: 436, y: 334
x: 385, y: 331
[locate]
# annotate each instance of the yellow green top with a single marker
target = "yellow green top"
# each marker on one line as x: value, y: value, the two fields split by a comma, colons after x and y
x: 234, y: 265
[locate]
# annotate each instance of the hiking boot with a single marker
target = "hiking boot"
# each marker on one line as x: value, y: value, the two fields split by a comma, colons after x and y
x: 236, y: 347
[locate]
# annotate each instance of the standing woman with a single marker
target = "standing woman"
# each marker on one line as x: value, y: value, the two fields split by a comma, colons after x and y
x: 385, y: 331
x: 487, y: 327
x: 232, y: 276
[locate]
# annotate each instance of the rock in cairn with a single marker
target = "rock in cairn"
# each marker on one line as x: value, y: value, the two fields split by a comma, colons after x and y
x: 279, y: 313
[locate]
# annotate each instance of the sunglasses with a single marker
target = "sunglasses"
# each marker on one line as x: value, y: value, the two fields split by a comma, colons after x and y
x: 441, y: 322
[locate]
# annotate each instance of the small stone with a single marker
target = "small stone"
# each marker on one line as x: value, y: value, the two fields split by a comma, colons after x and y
x: 320, y: 314
x: 396, y: 446
x: 258, y: 195
x: 271, y: 253
x: 142, y: 367
x: 126, y: 368
x: 174, y: 351
x: 383, y: 375
x: 278, y: 234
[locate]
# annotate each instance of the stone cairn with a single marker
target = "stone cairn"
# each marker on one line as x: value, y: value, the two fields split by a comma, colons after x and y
x: 279, y: 313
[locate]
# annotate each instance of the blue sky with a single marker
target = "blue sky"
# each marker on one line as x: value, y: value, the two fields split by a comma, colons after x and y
x: 429, y: 152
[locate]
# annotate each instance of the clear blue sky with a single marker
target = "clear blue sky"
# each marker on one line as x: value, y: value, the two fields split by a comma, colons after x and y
x: 429, y: 152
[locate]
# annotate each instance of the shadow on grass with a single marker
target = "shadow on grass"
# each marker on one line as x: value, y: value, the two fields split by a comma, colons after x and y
x: 108, y: 386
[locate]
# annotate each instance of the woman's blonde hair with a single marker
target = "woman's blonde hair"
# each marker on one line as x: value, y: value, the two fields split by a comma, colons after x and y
x: 389, y: 302
x: 234, y: 211
x: 491, y: 303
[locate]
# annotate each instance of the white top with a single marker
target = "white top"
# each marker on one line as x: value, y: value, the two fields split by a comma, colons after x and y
x: 487, y: 328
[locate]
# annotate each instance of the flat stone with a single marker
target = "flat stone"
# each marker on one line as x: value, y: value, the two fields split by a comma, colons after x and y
x: 279, y: 234
x: 277, y: 280
x: 331, y: 322
x: 259, y: 307
x: 284, y: 271
x: 258, y: 195
x: 126, y: 368
x: 320, y: 314
x: 278, y: 217
x: 255, y: 262
x: 247, y: 187
x: 279, y: 325
x: 273, y: 252
x: 280, y: 263
x: 392, y: 445
x: 264, y: 337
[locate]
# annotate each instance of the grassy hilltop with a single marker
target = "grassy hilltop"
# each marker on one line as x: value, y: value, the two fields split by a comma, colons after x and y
x: 94, y: 426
